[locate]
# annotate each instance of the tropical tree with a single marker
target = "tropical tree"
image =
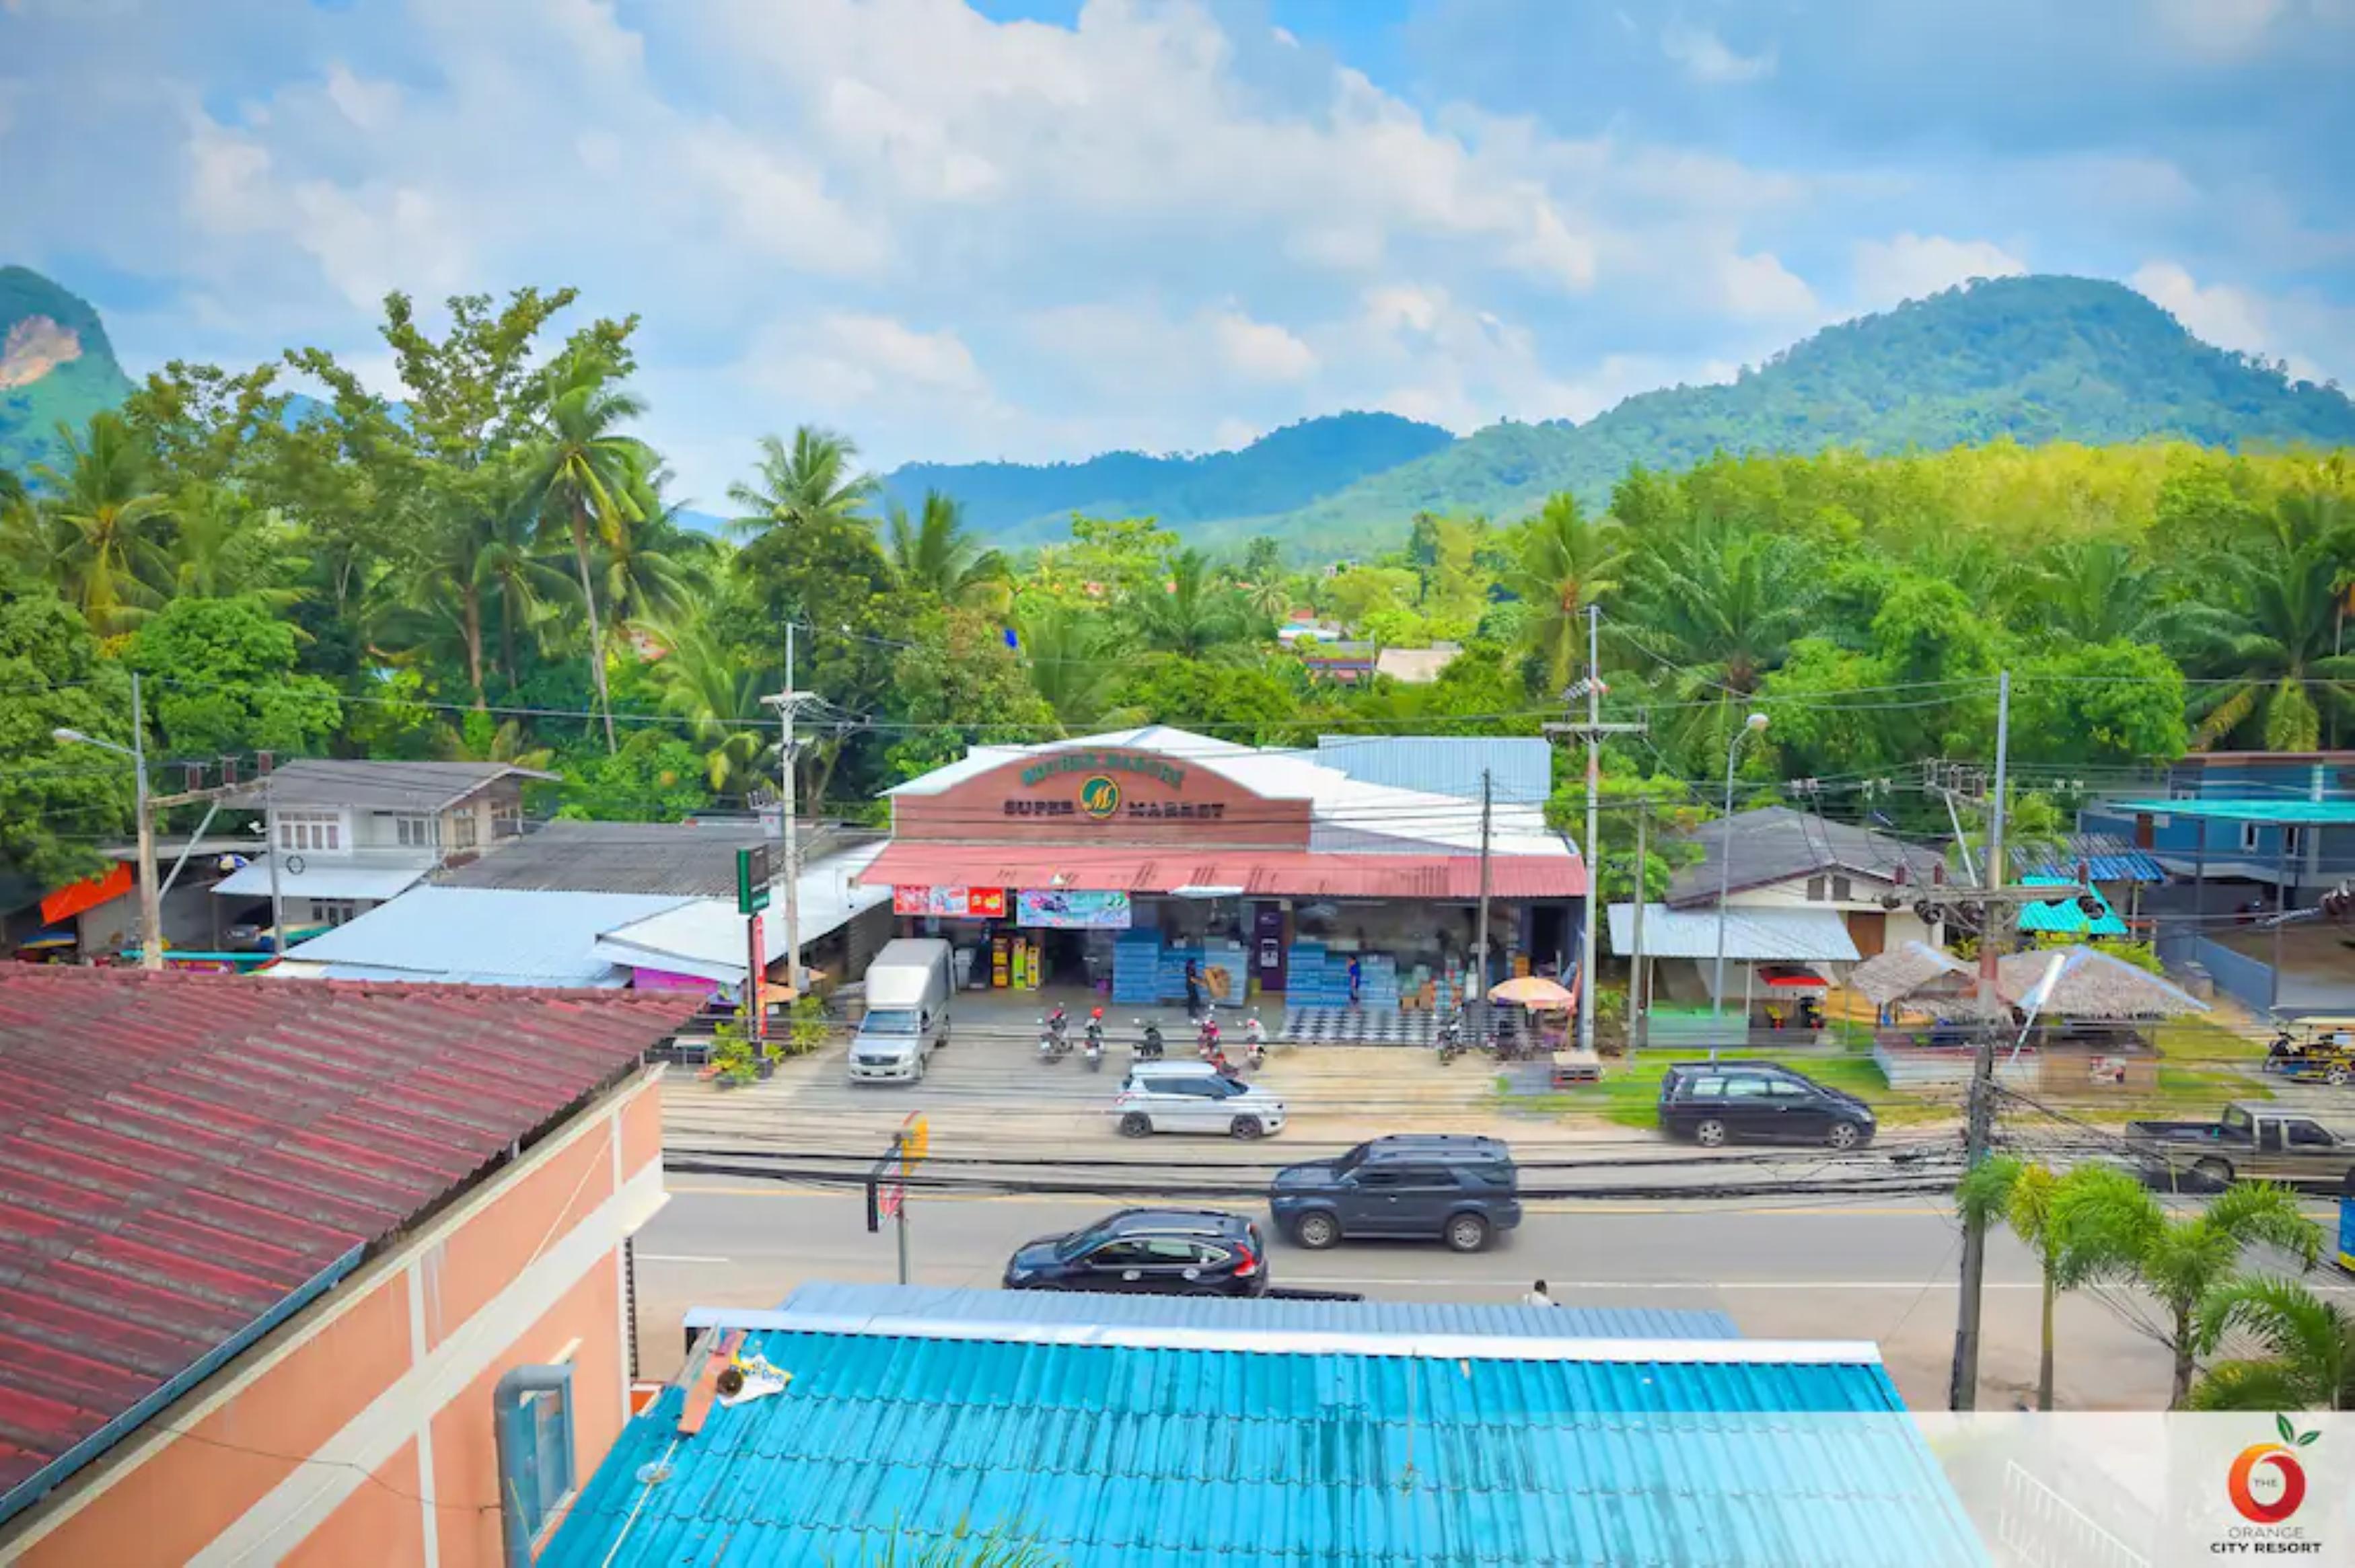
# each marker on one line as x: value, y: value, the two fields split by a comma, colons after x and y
x: 582, y: 476
x: 645, y: 571
x: 2088, y: 591
x: 1191, y: 613
x: 1563, y: 564
x: 1716, y: 612
x: 223, y: 546
x: 719, y: 692
x: 2180, y: 1262
x: 936, y: 555
x: 2309, y: 1345
x: 2268, y: 632
x: 814, y: 480
x: 1069, y: 656
x: 100, y: 534
x: 2060, y: 1220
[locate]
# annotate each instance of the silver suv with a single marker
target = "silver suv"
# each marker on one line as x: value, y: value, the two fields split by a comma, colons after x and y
x: 1193, y: 1097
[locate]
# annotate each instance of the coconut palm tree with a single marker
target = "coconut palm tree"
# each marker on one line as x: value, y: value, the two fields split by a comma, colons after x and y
x: 2048, y: 1212
x: 2309, y: 1344
x: 582, y: 477
x: 2267, y: 629
x: 814, y: 479
x: 2090, y: 590
x: 223, y: 548
x: 2179, y: 1262
x: 1193, y: 613
x: 704, y: 681
x: 936, y: 555
x: 1561, y: 564
x: 1066, y: 651
x: 100, y: 533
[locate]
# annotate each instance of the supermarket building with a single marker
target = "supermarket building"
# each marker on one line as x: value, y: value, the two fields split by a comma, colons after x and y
x: 1112, y: 860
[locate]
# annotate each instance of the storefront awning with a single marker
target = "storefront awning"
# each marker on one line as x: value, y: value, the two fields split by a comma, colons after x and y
x: 1255, y: 874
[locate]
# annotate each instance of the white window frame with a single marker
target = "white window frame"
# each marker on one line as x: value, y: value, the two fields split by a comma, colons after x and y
x: 334, y: 911
x: 413, y: 831
x: 462, y: 828
x: 301, y: 832
x: 2251, y: 837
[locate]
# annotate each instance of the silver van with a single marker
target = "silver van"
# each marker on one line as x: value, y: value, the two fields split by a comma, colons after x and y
x: 909, y: 990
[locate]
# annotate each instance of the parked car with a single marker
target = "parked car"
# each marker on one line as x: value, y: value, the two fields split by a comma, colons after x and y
x: 1714, y: 1102
x: 1162, y: 1252
x: 908, y: 994
x: 1458, y: 1190
x: 2247, y: 1142
x: 1193, y: 1097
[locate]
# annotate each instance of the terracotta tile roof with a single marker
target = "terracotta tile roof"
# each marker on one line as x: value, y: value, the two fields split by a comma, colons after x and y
x: 182, y: 1155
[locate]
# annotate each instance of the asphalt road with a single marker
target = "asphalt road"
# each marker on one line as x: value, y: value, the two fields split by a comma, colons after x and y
x: 1812, y: 1267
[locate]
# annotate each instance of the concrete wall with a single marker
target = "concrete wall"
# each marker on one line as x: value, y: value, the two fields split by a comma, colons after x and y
x: 360, y: 1433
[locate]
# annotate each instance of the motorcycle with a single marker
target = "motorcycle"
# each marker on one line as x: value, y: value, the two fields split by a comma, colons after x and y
x: 1094, y: 1048
x: 1053, y: 1044
x: 1449, y: 1039
x: 1254, y: 1044
x: 1058, y: 1023
x: 1149, y: 1048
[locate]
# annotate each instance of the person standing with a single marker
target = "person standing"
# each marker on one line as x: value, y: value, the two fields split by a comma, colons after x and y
x: 1356, y: 976
x: 1193, y: 988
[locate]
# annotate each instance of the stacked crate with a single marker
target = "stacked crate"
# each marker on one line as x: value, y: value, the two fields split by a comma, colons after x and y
x: 1137, y: 961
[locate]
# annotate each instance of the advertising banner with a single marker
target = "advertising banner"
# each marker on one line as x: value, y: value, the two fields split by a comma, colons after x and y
x: 949, y: 903
x: 1073, y: 908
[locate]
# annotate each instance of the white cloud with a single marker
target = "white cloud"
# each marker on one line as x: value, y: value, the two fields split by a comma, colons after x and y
x: 2239, y: 319
x: 1706, y: 58
x: 1909, y: 266
x: 1761, y: 288
x: 1261, y: 351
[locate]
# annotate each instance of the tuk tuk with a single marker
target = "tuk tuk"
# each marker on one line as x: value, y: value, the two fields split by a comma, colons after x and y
x: 2314, y: 1050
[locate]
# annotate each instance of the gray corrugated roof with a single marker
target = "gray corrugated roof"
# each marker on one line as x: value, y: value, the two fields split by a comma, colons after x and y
x: 830, y: 1300
x: 322, y: 781
x: 1752, y: 935
x: 1521, y: 769
x: 1776, y: 844
x: 483, y: 936
x: 691, y: 859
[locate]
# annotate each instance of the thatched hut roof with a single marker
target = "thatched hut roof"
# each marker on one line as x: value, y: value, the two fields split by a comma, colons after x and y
x: 1897, y: 972
x: 2094, y: 985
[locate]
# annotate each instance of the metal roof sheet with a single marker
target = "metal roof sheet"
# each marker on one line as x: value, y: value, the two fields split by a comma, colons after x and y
x: 1752, y: 935
x: 2336, y: 812
x: 481, y: 935
x: 320, y: 877
x: 706, y: 936
x: 1145, y: 1456
x: 690, y: 860
x: 832, y: 1298
x: 1519, y: 769
x: 371, y: 784
x: 2063, y: 917
x: 181, y: 1154
x: 1777, y: 844
x: 2105, y: 857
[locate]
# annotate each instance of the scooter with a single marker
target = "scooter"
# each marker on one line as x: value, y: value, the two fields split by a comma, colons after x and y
x: 1449, y: 1039
x: 1206, y: 1040
x: 1058, y: 1024
x: 1255, y: 1044
x: 1149, y: 1048
x: 1094, y: 1048
x: 1052, y: 1044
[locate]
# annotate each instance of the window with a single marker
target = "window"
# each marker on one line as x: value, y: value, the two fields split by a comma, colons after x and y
x: 2293, y: 841
x: 334, y: 911
x: 1119, y: 1255
x: 1841, y: 889
x: 2269, y: 1137
x: 506, y: 818
x: 1783, y: 1089
x: 310, y: 831
x: 1815, y: 890
x: 415, y: 832
x: 2249, y: 837
x: 1168, y: 1250
x: 1375, y: 1176
x: 540, y: 1436
x: 1746, y: 1089
x: 462, y: 830
x: 2309, y: 1135
x: 1705, y: 1088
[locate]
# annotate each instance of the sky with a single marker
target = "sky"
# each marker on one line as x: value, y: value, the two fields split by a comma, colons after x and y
x: 1037, y: 229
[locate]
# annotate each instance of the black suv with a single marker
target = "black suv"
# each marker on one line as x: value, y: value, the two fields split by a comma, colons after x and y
x: 1459, y: 1189
x: 1712, y: 1102
x: 1160, y: 1252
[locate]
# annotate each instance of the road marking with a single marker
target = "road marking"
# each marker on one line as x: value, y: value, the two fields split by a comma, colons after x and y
x: 681, y: 1257
x: 1571, y: 1284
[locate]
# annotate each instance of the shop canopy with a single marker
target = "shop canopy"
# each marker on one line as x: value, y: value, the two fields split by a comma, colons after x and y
x: 1259, y: 873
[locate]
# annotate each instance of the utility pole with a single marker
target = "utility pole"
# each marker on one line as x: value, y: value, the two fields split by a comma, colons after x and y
x: 1592, y: 688
x: 151, y: 893
x: 1963, y: 1387
x: 1638, y: 997
x: 785, y: 703
x: 277, y: 898
x: 1480, y: 933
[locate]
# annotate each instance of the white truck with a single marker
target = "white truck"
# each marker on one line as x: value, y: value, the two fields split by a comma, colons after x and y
x: 909, y: 990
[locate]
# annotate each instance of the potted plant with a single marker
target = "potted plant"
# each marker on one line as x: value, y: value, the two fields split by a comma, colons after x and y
x: 732, y: 1058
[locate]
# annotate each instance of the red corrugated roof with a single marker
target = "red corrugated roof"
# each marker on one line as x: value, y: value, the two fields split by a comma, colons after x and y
x: 180, y: 1152
x: 1271, y: 873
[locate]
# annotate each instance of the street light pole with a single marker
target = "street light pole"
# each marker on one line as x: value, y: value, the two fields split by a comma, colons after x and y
x: 1753, y: 724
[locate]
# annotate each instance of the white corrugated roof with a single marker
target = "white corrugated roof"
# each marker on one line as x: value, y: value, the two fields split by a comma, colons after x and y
x: 706, y: 936
x: 319, y: 878
x: 481, y: 935
x: 1752, y: 935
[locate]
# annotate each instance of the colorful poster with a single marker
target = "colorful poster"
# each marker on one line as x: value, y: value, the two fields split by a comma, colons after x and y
x: 1071, y: 909
x: 949, y: 903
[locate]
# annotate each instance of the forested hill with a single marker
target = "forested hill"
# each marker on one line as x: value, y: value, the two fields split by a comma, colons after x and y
x: 55, y: 365
x: 1029, y: 503
x: 2036, y: 359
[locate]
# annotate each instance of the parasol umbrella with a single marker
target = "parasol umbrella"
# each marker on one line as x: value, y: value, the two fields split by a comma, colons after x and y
x: 1534, y: 991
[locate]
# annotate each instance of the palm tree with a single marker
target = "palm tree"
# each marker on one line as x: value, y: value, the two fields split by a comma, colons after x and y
x: 1193, y: 614
x: 1561, y: 564
x: 2309, y: 1362
x: 1065, y: 649
x: 101, y: 530
x: 224, y: 548
x: 436, y: 607
x: 2268, y: 627
x: 813, y: 480
x: 1721, y: 609
x: 518, y: 578
x: 704, y: 683
x: 2090, y: 590
x: 584, y: 475
x: 2048, y: 1212
x: 936, y: 555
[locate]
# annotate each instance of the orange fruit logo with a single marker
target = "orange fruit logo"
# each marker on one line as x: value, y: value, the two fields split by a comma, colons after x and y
x: 2266, y: 1483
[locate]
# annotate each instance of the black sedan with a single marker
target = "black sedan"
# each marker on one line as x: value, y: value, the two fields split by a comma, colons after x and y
x: 1161, y: 1252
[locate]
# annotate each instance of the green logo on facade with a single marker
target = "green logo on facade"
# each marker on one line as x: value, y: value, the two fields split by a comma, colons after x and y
x: 1100, y: 798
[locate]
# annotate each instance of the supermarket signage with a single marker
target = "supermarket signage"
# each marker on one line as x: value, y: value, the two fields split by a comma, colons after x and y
x: 1111, y: 762
x: 949, y: 903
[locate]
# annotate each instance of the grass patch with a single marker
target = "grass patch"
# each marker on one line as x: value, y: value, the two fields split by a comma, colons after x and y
x: 1630, y: 1096
x: 2198, y: 1040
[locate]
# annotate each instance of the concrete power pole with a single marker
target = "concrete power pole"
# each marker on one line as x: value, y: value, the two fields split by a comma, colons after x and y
x: 1592, y: 688
x: 151, y: 893
x: 785, y: 703
x: 1963, y: 1387
x: 1638, y: 993
x: 1480, y: 985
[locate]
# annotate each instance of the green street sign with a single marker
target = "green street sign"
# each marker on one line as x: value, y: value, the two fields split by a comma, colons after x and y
x: 753, y: 879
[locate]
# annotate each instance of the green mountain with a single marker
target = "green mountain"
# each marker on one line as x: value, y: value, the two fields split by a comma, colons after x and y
x: 55, y: 365
x: 1025, y: 503
x: 2033, y: 359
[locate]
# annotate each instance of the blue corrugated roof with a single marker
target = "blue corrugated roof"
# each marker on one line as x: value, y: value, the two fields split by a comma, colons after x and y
x: 829, y: 1298
x: 481, y: 937
x: 2105, y: 857
x: 1144, y: 1456
x: 1520, y: 770
x: 2063, y: 917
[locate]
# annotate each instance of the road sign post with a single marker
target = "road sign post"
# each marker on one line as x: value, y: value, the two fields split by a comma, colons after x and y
x: 887, y: 1183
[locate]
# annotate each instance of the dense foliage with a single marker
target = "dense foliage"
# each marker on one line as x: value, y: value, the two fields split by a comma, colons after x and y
x: 495, y: 570
x: 56, y: 368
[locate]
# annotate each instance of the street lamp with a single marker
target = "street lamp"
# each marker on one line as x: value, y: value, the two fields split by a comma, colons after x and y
x: 1754, y: 723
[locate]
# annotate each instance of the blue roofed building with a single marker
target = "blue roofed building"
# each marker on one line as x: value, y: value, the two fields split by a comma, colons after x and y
x: 1107, y: 1437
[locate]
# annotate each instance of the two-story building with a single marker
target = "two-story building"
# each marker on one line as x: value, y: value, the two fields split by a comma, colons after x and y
x: 347, y: 834
x: 2306, y: 856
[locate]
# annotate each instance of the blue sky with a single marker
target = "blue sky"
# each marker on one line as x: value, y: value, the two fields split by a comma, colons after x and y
x: 1039, y: 229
